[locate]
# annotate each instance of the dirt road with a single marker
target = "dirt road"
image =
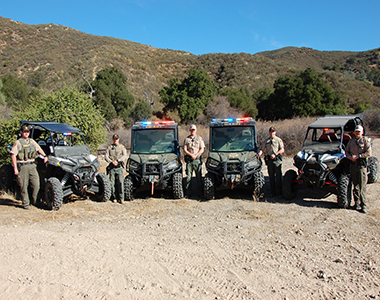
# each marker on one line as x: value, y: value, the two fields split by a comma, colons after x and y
x: 158, y: 248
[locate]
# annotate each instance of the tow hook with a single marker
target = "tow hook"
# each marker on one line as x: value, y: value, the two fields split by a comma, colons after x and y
x: 232, y: 181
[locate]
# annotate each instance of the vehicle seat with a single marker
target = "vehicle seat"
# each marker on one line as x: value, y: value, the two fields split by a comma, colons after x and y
x: 42, y: 143
x: 44, y: 146
x: 324, y: 138
x: 333, y: 136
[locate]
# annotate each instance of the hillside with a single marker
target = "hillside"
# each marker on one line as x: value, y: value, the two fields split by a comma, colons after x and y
x: 63, y: 54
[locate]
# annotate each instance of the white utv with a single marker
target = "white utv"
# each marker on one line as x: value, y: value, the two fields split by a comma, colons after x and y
x: 71, y: 168
x: 322, y: 161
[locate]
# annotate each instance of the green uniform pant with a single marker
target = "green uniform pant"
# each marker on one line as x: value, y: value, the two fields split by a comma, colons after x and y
x: 196, y: 166
x: 117, y: 183
x: 359, y: 182
x: 28, y: 175
x: 275, y: 177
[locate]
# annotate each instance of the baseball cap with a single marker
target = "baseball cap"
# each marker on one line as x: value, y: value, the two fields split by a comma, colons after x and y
x: 115, y: 136
x: 193, y: 127
x: 272, y: 128
x: 25, y: 128
x: 359, y: 128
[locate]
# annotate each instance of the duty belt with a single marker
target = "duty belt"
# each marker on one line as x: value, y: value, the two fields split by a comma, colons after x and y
x: 25, y: 164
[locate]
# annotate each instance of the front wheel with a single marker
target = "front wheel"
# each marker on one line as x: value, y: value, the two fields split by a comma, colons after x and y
x: 209, y: 187
x: 53, y: 193
x: 373, y: 169
x: 289, y: 186
x: 344, y: 195
x: 177, y: 186
x: 104, y: 188
x: 259, y: 181
x: 128, y: 188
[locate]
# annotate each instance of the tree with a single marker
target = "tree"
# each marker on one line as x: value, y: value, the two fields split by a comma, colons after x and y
x: 190, y: 96
x: 305, y: 95
x: 111, y: 93
x: 66, y: 106
x: 243, y: 100
x: 141, y: 111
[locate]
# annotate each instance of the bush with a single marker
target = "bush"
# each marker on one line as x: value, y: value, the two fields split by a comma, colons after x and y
x: 67, y: 106
x: 372, y: 121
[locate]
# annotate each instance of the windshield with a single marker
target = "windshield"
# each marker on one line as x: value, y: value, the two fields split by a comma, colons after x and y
x: 153, y: 141
x: 323, y: 139
x: 232, y: 139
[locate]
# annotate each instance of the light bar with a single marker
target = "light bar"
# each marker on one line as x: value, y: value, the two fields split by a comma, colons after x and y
x: 155, y: 123
x: 66, y: 133
x: 233, y: 120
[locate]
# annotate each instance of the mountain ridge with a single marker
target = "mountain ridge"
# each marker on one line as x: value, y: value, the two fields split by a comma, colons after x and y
x: 64, y: 55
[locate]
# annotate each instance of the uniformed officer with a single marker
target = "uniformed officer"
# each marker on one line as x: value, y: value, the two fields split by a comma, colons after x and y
x: 193, y: 148
x: 273, y: 147
x: 23, y: 154
x: 357, y: 151
x: 116, y: 155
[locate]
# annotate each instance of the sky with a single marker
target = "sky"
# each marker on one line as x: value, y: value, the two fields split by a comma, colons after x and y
x: 211, y: 26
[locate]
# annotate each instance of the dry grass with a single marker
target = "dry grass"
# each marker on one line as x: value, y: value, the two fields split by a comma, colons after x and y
x: 291, y: 131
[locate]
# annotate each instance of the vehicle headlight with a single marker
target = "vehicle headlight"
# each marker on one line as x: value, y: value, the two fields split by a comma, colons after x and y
x: 64, y: 164
x: 213, y: 163
x: 133, y: 165
x: 252, y: 163
x: 172, y: 164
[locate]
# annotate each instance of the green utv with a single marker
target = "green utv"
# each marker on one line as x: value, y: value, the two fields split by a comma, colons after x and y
x: 70, y: 169
x: 322, y: 160
x: 232, y: 160
x: 154, y: 161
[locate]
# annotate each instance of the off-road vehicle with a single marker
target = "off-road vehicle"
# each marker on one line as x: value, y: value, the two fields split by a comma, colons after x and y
x: 71, y: 168
x: 154, y: 161
x: 232, y: 160
x: 322, y: 161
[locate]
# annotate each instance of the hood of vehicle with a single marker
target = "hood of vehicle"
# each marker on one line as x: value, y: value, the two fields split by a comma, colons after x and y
x: 232, y: 156
x: 152, y: 158
x: 72, y: 158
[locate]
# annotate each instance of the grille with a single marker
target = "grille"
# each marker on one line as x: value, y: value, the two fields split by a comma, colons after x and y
x: 85, y: 173
x: 152, y: 168
x: 312, y: 170
x: 234, y: 167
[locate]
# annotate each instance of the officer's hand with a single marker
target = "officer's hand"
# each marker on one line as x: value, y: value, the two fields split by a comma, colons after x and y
x: 115, y: 163
x: 45, y: 159
x: 16, y: 171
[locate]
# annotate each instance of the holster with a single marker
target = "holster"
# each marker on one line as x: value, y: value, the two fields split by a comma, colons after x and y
x: 362, y: 162
x: 111, y: 166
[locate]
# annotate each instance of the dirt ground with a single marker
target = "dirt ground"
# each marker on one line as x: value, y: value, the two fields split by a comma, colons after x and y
x: 157, y: 248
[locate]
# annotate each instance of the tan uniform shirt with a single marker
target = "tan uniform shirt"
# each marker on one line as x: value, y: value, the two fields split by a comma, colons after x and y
x: 193, y: 144
x: 360, y: 147
x: 272, y: 146
x: 17, y: 147
x: 114, y: 152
